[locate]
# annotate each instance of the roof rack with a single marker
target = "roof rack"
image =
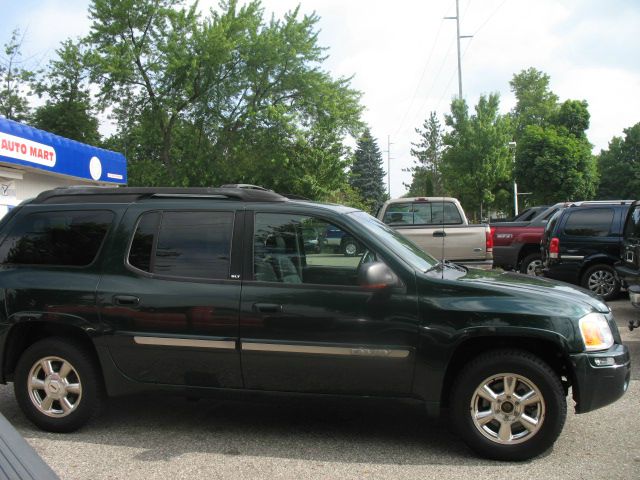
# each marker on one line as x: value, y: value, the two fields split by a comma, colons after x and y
x: 131, y: 194
x: 600, y: 202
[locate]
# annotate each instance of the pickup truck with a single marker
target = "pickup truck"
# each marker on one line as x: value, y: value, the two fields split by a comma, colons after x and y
x: 439, y: 226
x: 516, y: 245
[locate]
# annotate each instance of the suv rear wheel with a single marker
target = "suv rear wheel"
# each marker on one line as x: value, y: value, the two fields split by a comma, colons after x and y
x: 508, y: 405
x: 601, y: 279
x: 58, y: 385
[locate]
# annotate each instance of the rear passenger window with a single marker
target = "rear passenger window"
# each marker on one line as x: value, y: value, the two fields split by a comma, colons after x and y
x: 422, y: 213
x: 64, y: 238
x: 183, y: 244
x: 591, y: 222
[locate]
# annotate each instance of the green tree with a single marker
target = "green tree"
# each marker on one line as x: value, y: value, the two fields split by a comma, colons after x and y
x: 476, y: 166
x: 68, y: 110
x: 619, y: 166
x: 553, y: 155
x: 367, y: 174
x: 225, y: 98
x: 426, y: 170
x: 555, y: 166
x: 15, y: 81
x: 536, y: 104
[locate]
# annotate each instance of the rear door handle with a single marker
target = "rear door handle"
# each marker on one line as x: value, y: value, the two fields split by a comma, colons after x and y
x: 128, y: 300
x: 267, y: 307
x: 439, y: 233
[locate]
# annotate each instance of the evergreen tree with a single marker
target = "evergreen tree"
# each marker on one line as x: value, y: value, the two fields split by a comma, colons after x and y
x: 367, y: 175
x: 426, y: 170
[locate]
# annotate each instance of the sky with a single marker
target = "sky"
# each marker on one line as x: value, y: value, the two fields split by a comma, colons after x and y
x: 401, y: 55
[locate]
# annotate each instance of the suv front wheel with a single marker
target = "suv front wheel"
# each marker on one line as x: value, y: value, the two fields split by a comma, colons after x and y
x: 58, y: 385
x: 602, y: 280
x: 508, y: 405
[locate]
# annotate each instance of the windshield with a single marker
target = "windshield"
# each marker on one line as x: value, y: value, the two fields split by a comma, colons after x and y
x: 417, y: 258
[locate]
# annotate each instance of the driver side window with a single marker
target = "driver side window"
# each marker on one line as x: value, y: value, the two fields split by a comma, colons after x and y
x: 289, y: 248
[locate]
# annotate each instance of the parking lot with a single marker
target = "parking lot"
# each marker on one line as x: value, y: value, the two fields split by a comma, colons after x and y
x: 153, y: 436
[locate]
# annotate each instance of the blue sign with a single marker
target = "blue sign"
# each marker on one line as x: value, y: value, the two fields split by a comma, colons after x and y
x: 30, y: 147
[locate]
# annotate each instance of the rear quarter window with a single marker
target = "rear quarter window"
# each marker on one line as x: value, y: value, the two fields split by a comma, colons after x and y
x: 589, y: 222
x: 59, y: 238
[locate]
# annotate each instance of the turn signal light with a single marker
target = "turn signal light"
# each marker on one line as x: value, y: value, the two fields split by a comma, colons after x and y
x: 595, y: 331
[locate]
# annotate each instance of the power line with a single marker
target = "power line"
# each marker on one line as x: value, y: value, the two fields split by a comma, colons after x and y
x: 424, y: 70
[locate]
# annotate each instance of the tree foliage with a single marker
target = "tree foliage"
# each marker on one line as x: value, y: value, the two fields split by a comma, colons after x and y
x: 553, y: 157
x: 476, y: 166
x: 15, y: 81
x: 68, y: 110
x: 367, y: 174
x: 554, y: 166
x: 225, y: 98
x: 619, y: 166
x: 536, y: 104
x: 426, y: 178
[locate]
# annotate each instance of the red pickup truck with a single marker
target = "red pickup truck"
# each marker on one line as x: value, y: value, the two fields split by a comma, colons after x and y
x: 516, y: 245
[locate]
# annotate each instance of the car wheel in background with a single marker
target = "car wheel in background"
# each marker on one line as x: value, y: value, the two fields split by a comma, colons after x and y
x: 350, y: 247
x: 531, y: 263
x: 602, y: 280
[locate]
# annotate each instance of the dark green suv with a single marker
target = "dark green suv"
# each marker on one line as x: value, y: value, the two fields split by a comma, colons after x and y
x: 198, y: 291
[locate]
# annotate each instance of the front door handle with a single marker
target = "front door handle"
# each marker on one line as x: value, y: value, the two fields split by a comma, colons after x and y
x: 439, y: 233
x: 267, y: 307
x: 128, y: 300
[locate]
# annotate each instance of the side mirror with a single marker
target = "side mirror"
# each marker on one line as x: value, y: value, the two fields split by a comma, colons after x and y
x: 377, y: 275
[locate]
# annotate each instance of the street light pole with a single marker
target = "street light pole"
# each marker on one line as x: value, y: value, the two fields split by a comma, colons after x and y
x: 512, y: 146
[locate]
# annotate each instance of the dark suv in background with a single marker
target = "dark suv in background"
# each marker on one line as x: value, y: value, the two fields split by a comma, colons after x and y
x: 628, y: 268
x: 581, y: 244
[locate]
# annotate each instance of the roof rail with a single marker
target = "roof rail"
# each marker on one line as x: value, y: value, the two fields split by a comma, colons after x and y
x: 132, y: 194
x: 601, y: 202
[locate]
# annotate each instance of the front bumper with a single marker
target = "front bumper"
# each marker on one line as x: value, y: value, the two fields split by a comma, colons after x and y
x: 596, y: 386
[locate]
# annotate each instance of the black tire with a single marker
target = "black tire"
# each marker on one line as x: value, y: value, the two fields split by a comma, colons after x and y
x: 528, y: 263
x: 85, y: 373
x: 528, y: 370
x: 350, y: 247
x: 602, y: 280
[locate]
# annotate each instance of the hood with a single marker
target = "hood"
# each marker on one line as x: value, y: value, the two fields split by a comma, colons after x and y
x: 536, y: 290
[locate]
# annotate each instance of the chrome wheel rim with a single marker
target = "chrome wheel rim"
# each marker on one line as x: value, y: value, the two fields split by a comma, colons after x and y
x: 532, y: 266
x: 507, y: 409
x: 350, y: 249
x: 54, y: 387
x: 602, y: 282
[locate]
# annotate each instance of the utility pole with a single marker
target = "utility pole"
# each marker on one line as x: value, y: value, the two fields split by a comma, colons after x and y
x: 388, y: 151
x: 458, y: 37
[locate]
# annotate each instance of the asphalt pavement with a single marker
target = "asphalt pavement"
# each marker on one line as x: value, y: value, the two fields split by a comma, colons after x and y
x: 157, y: 437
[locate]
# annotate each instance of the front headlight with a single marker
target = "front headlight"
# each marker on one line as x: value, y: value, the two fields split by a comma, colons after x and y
x: 595, y: 332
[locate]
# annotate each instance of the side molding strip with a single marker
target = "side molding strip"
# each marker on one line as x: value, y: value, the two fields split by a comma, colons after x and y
x: 311, y: 349
x: 186, y: 342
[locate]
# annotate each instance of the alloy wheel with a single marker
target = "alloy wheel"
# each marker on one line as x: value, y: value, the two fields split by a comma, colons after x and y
x: 54, y: 386
x: 507, y: 408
